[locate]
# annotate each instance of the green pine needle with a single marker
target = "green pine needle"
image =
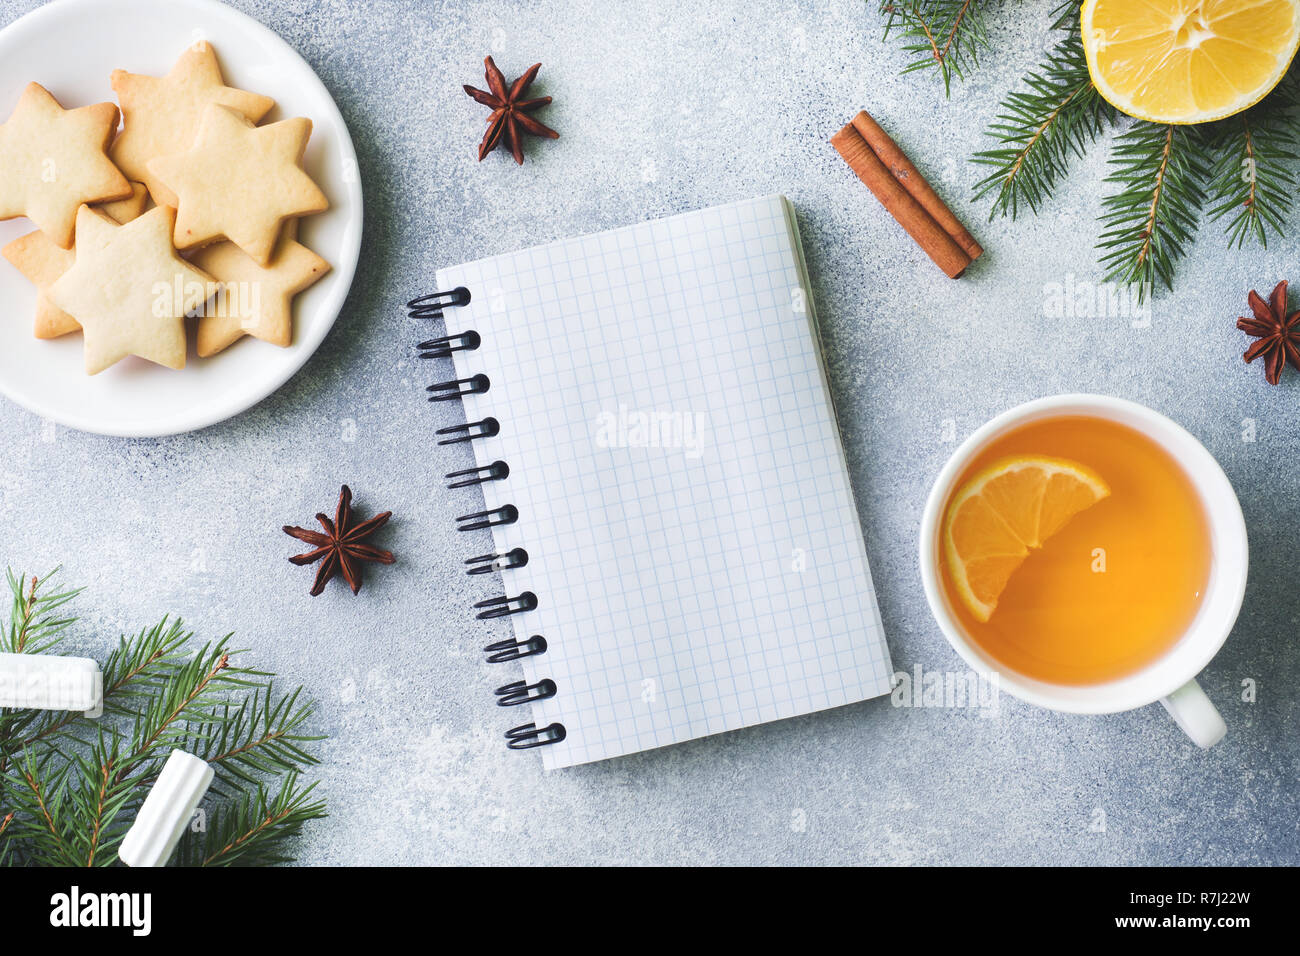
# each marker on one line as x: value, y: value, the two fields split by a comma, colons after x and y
x: 1040, y: 129
x: 1065, y: 15
x: 1252, y: 185
x: 1149, y: 222
x: 253, y: 828
x: 33, y: 628
x: 71, y: 786
x: 262, y: 734
x: 947, y: 35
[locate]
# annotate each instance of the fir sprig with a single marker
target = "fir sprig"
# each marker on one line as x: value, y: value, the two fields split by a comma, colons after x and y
x: 1040, y: 129
x: 252, y: 828
x: 70, y: 786
x: 1252, y: 184
x: 33, y: 628
x: 1150, y: 221
x: 947, y: 35
x: 262, y: 734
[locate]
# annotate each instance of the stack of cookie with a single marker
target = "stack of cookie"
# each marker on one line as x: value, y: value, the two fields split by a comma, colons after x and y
x: 191, y: 210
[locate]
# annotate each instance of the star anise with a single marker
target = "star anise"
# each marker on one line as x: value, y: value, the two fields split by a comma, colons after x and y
x: 1278, y: 333
x: 509, y: 119
x: 342, y: 547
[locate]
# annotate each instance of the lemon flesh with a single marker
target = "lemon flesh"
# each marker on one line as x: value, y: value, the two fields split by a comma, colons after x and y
x: 1002, y: 513
x: 1188, y: 61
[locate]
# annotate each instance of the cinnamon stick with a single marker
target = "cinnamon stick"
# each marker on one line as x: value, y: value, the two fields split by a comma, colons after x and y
x: 897, y: 163
x: 904, y: 192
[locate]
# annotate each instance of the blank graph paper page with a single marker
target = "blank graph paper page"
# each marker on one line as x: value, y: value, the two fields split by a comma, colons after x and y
x: 681, y: 487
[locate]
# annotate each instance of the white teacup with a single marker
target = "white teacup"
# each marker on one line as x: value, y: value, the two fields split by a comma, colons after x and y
x: 1171, y: 678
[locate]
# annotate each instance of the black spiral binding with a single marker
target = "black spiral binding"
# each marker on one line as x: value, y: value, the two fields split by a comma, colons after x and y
x: 522, y: 692
x: 459, y: 388
x: 469, y: 431
x: 503, y: 651
x: 504, y: 605
x: 506, y: 514
x: 477, y: 476
x: 443, y: 347
x: 485, y: 563
x: 431, y: 306
x: 525, y: 736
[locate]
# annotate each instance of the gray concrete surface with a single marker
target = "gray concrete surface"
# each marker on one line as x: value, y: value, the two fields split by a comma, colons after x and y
x: 664, y: 108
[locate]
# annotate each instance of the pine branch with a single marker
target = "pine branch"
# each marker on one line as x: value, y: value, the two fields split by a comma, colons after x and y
x: 102, y: 794
x: 32, y: 629
x: 24, y: 613
x: 35, y: 796
x: 42, y: 802
x: 188, y: 693
x: 110, y: 771
x: 70, y: 786
x: 1251, y: 179
x: 138, y: 665
x: 252, y: 830
x: 947, y: 35
x: 1041, y: 129
x: 1162, y: 173
x: 261, y: 736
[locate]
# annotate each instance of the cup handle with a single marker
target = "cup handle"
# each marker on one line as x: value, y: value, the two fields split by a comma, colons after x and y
x: 1192, y: 711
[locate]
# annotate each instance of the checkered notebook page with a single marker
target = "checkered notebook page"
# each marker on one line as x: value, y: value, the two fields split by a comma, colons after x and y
x: 682, y: 491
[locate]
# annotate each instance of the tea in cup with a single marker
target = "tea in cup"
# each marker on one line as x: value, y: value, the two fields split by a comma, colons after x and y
x: 1092, y: 554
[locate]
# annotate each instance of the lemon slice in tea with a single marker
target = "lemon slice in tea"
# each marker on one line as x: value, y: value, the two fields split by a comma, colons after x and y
x: 1002, y: 512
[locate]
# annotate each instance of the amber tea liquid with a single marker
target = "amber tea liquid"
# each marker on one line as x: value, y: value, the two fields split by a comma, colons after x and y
x: 1121, y: 582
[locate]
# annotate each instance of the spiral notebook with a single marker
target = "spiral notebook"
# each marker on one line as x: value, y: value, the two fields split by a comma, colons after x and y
x: 663, y: 482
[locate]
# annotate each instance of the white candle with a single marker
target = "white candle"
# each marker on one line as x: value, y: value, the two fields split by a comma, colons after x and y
x: 49, y: 682
x: 166, y: 811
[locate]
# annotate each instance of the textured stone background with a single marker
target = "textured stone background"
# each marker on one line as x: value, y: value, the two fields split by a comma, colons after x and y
x: 664, y: 108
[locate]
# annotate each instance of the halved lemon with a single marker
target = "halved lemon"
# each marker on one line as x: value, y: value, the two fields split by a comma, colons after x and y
x: 1188, y: 61
x: 997, y: 516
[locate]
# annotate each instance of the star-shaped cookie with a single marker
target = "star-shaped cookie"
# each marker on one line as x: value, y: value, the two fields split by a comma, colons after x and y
x: 255, y: 300
x: 162, y: 113
x: 42, y: 262
x: 129, y: 289
x: 240, y: 182
x: 52, y: 160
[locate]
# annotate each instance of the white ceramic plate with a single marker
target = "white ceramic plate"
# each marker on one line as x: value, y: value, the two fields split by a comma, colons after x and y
x: 71, y: 47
